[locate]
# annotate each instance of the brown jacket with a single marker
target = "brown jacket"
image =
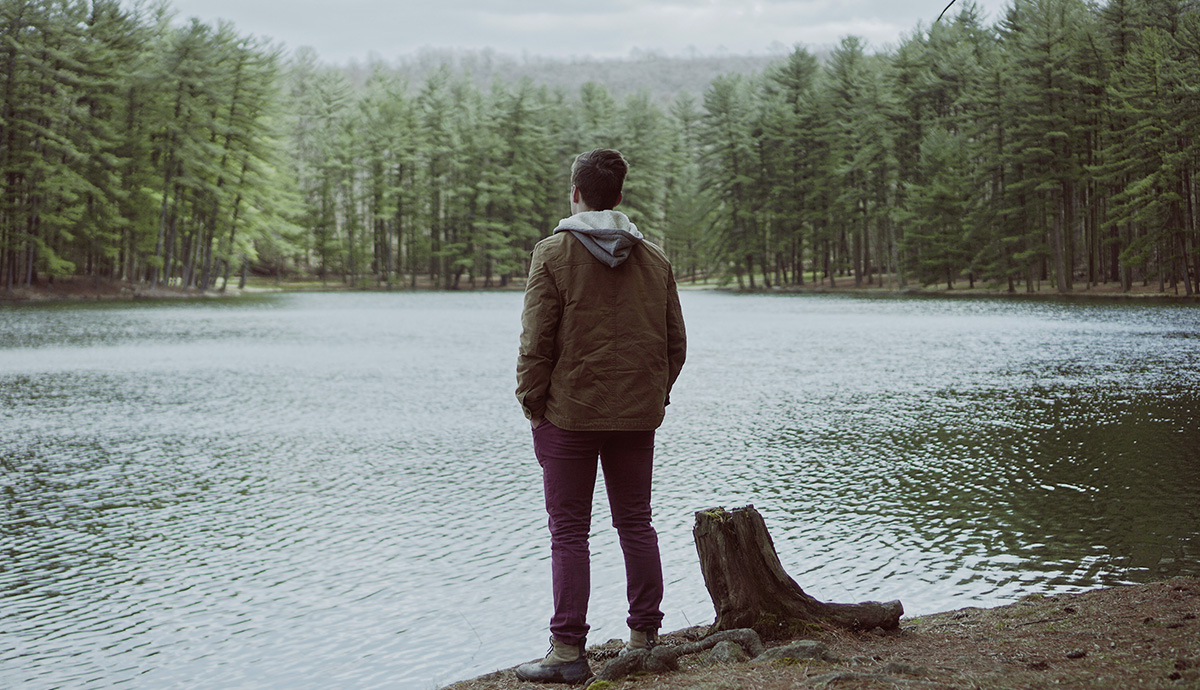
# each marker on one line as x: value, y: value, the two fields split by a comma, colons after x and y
x: 600, y: 347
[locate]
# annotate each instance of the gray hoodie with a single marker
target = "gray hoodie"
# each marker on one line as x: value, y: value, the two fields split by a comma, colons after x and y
x: 608, y: 235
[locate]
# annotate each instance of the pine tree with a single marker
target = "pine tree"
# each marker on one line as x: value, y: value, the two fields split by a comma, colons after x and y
x: 1047, y: 41
x: 937, y: 211
x: 517, y: 177
x: 643, y: 139
x: 45, y: 194
x: 319, y: 101
x: 596, y: 118
x: 386, y: 123
x: 728, y: 158
x: 1148, y: 155
x: 863, y: 114
x: 687, y: 206
x: 792, y: 161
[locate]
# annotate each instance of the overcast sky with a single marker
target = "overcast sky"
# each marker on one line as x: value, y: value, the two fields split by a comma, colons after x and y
x: 342, y: 30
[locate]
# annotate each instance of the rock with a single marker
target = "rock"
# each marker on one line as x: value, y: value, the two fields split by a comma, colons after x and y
x: 661, y: 660
x: 1076, y: 654
x: 623, y: 665
x: 804, y: 649
x: 745, y: 637
x: 727, y: 652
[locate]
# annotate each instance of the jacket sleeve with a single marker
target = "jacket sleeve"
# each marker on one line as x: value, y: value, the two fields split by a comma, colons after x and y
x: 676, y: 337
x: 539, y: 333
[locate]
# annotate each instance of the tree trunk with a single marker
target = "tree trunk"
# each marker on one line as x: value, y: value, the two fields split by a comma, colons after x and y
x: 750, y: 589
x: 1183, y: 265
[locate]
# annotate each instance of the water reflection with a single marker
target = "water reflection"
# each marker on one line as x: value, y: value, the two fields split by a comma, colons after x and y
x: 315, y: 491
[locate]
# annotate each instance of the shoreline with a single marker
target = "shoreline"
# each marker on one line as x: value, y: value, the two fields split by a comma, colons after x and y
x: 92, y: 290
x: 1080, y: 295
x: 1131, y: 635
x: 102, y: 290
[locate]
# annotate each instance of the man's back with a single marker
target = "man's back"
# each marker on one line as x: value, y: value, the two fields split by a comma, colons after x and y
x: 620, y: 340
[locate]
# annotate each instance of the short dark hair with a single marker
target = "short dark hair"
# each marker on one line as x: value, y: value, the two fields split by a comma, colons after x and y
x: 599, y: 175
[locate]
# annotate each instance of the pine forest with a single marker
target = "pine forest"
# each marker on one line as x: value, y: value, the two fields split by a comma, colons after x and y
x: 1055, y: 149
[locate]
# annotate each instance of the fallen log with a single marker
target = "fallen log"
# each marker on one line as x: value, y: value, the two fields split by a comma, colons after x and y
x: 750, y: 589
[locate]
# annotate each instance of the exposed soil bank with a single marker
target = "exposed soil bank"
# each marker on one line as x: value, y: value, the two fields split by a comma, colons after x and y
x: 99, y: 289
x: 1144, y: 636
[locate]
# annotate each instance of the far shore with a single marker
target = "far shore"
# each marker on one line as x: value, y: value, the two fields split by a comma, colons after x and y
x: 87, y: 289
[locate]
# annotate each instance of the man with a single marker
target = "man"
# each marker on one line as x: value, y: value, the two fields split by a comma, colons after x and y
x: 602, y: 343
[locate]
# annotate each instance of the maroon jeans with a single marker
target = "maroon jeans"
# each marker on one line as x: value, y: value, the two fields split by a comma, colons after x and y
x: 568, y: 460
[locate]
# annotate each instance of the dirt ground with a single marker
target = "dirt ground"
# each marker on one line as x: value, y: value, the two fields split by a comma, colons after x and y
x: 1144, y: 636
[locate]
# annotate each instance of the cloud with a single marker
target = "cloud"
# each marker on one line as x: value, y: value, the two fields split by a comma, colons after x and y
x: 350, y: 29
x: 739, y: 26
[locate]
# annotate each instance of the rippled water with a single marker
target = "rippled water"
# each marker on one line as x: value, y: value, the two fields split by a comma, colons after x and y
x: 338, y: 490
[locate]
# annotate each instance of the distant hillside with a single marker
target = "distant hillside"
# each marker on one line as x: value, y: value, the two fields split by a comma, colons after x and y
x: 662, y: 76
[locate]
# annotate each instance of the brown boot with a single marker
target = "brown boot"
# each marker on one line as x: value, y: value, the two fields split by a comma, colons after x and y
x: 640, y: 639
x: 565, y: 663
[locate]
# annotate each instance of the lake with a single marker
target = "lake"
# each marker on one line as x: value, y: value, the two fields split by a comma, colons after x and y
x: 338, y: 490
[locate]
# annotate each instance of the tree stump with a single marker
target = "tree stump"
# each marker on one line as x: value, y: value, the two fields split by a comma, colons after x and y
x: 750, y: 589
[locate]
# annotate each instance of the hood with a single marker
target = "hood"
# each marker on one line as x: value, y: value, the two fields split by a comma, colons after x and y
x: 608, y: 235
